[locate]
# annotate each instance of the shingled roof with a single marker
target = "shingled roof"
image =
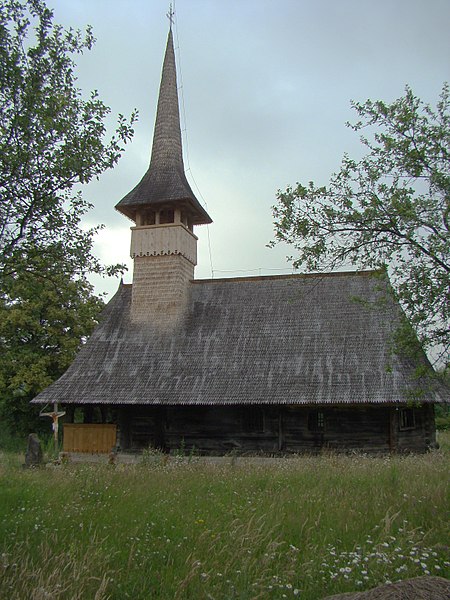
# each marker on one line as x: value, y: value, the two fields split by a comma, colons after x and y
x: 263, y: 340
x: 165, y: 181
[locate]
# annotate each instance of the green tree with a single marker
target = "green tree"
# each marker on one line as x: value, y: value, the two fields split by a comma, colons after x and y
x: 390, y: 209
x: 52, y: 139
x: 43, y: 321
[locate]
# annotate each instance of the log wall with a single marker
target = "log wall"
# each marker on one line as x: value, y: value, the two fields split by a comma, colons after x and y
x: 423, y: 432
x: 271, y: 430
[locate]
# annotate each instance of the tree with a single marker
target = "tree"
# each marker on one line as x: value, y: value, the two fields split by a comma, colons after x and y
x: 43, y: 322
x: 389, y: 209
x: 52, y: 139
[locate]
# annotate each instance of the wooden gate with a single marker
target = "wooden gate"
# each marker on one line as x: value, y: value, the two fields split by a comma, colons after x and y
x: 95, y: 438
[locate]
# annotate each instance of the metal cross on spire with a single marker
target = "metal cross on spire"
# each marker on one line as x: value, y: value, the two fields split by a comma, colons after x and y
x: 170, y: 15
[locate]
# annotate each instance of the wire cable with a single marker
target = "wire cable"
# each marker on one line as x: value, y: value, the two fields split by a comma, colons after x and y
x: 185, y: 136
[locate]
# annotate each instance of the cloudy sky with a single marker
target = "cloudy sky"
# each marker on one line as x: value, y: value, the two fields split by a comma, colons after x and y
x: 265, y: 90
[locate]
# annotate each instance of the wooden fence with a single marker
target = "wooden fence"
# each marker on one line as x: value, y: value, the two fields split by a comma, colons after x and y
x: 94, y: 438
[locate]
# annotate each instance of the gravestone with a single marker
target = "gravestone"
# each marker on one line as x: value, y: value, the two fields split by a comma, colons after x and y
x: 33, y: 456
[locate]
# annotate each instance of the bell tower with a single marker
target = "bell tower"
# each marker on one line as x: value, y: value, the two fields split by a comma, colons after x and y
x: 165, y: 211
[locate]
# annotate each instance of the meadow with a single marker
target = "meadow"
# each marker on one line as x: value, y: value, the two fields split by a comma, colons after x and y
x: 302, y: 527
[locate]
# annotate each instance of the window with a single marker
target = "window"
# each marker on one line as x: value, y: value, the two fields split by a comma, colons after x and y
x: 253, y: 419
x: 149, y: 217
x: 407, y: 419
x: 166, y: 216
x: 316, y: 420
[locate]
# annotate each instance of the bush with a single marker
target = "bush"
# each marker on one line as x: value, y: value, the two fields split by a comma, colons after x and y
x: 442, y: 417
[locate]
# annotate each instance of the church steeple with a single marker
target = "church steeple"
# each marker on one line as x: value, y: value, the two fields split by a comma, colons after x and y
x: 165, y: 182
x: 165, y: 211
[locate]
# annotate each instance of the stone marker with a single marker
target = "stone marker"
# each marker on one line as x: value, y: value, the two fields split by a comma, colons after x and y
x: 33, y: 455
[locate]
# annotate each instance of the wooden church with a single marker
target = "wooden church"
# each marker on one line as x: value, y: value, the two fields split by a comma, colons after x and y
x: 277, y: 364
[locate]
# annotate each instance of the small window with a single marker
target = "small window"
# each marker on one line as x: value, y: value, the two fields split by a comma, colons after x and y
x: 253, y: 419
x: 407, y: 419
x: 316, y: 420
x: 166, y: 216
x: 149, y: 217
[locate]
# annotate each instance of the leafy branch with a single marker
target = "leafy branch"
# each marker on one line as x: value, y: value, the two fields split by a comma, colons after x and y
x: 389, y: 208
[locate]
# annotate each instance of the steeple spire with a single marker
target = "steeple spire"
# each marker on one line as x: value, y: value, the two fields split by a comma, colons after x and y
x: 166, y: 151
x: 165, y: 182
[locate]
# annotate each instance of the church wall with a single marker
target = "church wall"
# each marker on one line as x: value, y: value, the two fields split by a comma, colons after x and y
x: 422, y: 432
x: 344, y: 428
x: 271, y: 429
x: 208, y: 430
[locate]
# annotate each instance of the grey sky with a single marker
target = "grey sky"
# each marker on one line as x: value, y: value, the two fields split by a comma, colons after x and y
x: 266, y: 88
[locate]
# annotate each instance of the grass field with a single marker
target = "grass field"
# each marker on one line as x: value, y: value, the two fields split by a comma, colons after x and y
x: 304, y: 527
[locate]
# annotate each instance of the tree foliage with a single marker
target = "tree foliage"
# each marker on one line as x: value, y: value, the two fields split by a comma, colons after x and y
x: 390, y: 209
x: 52, y: 140
x: 43, y: 321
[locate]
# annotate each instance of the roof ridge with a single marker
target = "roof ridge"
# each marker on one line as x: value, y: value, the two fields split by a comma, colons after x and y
x: 366, y: 273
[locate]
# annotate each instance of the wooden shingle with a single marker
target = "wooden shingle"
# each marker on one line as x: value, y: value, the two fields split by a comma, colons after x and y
x: 281, y: 340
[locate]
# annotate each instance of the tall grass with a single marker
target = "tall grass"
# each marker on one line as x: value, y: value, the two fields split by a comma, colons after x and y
x: 303, y: 527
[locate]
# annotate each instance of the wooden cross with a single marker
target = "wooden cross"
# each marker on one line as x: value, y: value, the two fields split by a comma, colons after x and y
x: 54, y: 415
x: 170, y: 15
